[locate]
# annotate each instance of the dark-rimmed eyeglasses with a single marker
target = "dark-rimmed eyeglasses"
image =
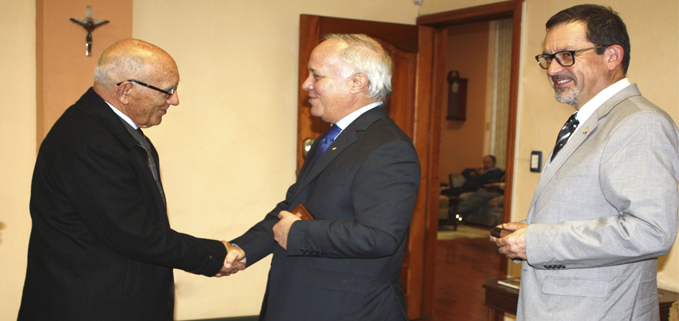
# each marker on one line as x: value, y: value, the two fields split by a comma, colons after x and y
x: 168, y: 93
x: 565, y: 58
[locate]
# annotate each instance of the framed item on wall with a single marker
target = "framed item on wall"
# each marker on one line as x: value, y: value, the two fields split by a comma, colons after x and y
x: 457, y: 96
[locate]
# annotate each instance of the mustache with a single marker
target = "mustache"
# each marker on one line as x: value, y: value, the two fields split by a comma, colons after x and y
x: 561, y: 76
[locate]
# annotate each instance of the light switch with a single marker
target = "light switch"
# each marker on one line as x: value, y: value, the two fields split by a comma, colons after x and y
x: 536, y: 161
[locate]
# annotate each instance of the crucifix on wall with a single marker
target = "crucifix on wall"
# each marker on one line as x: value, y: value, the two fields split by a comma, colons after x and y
x: 89, y: 24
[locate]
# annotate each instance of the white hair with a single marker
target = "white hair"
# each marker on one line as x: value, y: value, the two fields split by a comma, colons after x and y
x: 366, y: 56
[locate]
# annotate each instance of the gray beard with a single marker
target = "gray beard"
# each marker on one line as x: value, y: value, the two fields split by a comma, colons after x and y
x: 567, y: 96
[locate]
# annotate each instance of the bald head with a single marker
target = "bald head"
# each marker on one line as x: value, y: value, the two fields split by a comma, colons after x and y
x: 132, y: 59
x: 138, y: 79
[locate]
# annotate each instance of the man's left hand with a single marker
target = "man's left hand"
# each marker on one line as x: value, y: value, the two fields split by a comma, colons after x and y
x: 281, y: 229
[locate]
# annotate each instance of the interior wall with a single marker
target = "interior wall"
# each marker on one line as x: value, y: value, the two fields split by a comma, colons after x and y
x: 655, y: 68
x: 228, y: 150
x: 17, y: 141
x: 64, y: 72
x: 463, y: 141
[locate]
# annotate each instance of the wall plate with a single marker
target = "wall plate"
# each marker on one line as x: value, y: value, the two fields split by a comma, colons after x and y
x: 536, y: 161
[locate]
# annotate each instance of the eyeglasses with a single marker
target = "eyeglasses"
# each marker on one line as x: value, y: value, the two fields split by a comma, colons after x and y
x: 565, y: 58
x: 168, y: 93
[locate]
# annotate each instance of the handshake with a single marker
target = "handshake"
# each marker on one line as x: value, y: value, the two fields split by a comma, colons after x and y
x: 234, y: 261
x: 235, y: 256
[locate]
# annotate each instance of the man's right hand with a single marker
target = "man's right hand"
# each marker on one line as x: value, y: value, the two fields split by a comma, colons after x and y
x: 514, y: 244
x: 234, y: 261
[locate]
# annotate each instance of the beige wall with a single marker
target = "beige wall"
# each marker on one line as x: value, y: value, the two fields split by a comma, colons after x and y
x: 462, y: 142
x: 227, y: 151
x: 64, y: 72
x: 17, y: 143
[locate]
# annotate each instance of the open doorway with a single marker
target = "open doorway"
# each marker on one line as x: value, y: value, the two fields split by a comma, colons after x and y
x: 473, y: 140
x: 473, y: 126
x: 488, y: 127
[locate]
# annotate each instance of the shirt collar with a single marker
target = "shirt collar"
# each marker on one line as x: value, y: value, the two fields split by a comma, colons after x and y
x: 124, y: 117
x: 348, y: 119
x: 598, y: 100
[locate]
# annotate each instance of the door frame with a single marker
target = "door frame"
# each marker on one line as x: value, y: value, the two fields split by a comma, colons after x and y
x: 439, y: 22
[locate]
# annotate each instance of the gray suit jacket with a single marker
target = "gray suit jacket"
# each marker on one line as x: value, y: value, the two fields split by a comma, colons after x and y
x: 603, y: 211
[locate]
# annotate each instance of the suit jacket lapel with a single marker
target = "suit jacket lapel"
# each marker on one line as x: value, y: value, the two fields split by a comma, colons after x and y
x: 95, y: 106
x: 580, y: 136
x: 346, y: 138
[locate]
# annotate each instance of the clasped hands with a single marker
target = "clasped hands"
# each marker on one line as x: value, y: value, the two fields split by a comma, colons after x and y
x: 514, y: 244
x: 234, y: 261
x: 235, y: 256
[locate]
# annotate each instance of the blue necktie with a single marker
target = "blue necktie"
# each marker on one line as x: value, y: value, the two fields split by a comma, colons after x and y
x: 328, y: 138
x: 565, y: 133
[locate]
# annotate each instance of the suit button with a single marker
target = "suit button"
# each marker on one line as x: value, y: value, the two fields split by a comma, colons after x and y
x: 211, y: 257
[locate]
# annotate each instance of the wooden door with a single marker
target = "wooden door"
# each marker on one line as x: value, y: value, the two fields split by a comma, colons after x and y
x: 403, y: 43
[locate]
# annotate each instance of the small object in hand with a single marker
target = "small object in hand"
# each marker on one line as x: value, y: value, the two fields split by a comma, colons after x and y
x: 302, y: 212
x: 499, y: 232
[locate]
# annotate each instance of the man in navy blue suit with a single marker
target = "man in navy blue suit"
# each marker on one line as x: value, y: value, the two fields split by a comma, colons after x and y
x: 346, y: 264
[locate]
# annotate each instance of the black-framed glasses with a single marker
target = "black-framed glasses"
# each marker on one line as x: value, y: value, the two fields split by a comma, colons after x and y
x: 565, y: 58
x: 168, y: 93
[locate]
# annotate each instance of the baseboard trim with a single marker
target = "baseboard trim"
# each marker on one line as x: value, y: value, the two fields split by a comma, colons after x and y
x: 245, y: 318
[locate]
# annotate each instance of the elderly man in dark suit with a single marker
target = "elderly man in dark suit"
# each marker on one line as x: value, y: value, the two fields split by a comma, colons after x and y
x: 101, y: 247
x: 346, y: 264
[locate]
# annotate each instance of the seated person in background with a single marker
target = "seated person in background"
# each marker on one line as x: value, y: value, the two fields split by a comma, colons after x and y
x: 477, y: 177
x: 482, y: 207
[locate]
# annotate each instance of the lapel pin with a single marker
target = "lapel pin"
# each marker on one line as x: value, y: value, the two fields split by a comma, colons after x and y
x: 586, y: 131
x: 334, y: 148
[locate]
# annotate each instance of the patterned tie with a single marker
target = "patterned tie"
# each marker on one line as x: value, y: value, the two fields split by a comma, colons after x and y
x: 568, y: 129
x: 329, y: 137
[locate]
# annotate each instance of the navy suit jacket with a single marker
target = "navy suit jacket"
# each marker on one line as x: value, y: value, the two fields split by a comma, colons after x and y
x: 345, y: 265
x: 101, y: 246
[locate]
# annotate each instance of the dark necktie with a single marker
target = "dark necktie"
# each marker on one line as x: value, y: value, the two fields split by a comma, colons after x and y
x: 328, y: 138
x: 568, y: 129
x: 152, y: 162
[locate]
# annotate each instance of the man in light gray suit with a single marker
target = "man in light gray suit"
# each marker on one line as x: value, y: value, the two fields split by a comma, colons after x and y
x: 606, y: 203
